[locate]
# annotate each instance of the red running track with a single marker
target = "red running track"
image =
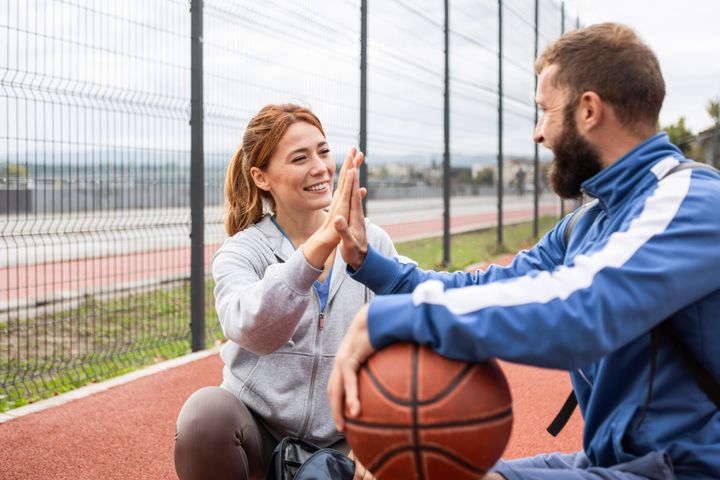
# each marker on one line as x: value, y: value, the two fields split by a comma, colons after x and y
x: 50, y: 281
x: 127, y: 431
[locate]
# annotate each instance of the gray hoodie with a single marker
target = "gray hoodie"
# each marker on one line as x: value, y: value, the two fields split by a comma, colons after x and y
x: 281, y: 347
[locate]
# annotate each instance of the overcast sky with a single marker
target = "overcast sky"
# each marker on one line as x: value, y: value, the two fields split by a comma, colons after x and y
x: 685, y: 35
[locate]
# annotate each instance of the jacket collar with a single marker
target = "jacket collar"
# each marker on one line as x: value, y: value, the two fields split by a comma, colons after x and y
x: 280, y: 245
x: 283, y: 249
x: 613, y: 184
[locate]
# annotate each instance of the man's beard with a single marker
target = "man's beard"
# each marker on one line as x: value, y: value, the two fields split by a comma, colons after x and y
x: 575, y: 160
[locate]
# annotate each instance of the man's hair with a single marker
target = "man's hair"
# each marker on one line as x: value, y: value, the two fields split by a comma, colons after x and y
x: 612, y: 61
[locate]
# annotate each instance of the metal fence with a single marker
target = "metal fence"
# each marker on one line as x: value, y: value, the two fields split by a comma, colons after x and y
x: 117, y: 120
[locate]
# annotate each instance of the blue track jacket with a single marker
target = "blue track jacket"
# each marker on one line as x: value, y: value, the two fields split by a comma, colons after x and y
x: 649, y: 250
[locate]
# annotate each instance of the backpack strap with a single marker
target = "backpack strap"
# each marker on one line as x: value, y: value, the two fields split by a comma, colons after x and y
x: 578, y: 214
x: 563, y: 416
x: 692, y: 164
x: 703, y: 377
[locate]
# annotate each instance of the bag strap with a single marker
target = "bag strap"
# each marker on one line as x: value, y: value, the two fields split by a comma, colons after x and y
x: 703, y: 377
x: 578, y: 214
x: 563, y: 416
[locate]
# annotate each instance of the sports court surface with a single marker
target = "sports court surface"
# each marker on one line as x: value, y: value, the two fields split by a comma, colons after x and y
x: 127, y: 431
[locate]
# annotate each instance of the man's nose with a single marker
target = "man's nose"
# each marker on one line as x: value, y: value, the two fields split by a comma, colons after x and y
x: 538, y: 136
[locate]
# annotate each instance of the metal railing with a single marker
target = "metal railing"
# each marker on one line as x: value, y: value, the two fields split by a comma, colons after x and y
x: 117, y: 120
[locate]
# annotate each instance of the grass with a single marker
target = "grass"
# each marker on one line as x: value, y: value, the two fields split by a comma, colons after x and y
x: 473, y: 247
x: 58, y: 351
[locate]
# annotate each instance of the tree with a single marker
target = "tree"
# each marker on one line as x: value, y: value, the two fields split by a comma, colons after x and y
x: 713, y: 109
x: 680, y: 135
x: 486, y: 176
x: 13, y: 170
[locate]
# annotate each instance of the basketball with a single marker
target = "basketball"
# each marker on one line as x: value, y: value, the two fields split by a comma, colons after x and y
x: 424, y: 416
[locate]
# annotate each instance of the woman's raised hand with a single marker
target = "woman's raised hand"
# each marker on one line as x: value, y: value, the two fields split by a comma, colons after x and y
x: 351, y: 228
x: 342, y: 197
x: 322, y: 243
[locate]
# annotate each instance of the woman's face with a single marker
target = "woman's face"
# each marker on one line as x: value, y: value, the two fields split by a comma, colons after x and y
x: 300, y: 173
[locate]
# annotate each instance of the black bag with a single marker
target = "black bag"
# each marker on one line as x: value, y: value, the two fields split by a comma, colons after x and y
x: 295, y: 459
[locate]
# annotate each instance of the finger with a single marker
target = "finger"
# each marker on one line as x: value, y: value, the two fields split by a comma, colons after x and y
x: 363, y: 192
x: 356, y: 213
x: 335, y: 395
x: 348, y: 163
x: 358, y: 159
x: 346, y: 192
x: 342, y: 227
x: 352, y: 402
x: 347, y: 237
x: 340, y: 203
x: 359, y: 471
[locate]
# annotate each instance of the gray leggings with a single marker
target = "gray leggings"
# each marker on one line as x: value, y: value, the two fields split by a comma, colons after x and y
x: 217, y: 437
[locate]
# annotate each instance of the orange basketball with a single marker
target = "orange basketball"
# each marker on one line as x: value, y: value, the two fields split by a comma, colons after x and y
x: 428, y: 417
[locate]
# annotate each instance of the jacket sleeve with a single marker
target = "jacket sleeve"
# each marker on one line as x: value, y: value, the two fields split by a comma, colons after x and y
x: 385, y: 275
x: 664, y: 257
x: 261, y: 310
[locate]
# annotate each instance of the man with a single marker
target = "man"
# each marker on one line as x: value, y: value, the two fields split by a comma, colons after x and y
x: 647, y: 251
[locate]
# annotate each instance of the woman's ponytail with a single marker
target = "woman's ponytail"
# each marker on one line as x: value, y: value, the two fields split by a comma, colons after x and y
x: 243, y: 200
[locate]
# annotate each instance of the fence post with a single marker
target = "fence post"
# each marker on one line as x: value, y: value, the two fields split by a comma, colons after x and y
x: 197, y: 181
x: 446, y: 141
x: 562, y: 31
x: 363, y: 96
x: 536, y: 155
x: 500, y: 239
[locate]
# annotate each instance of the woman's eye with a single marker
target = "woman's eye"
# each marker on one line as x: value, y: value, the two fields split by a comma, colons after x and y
x: 298, y: 159
x: 324, y: 151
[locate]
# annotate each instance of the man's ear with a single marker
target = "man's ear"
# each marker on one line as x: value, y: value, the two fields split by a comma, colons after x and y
x: 591, y: 110
x: 260, y: 179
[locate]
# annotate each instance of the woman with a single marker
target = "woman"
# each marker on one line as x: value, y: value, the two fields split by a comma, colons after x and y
x: 282, y: 296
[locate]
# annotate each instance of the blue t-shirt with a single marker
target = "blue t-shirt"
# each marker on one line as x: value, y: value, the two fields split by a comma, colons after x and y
x: 322, y: 288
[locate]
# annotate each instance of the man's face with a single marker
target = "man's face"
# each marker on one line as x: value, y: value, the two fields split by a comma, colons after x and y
x: 575, y: 159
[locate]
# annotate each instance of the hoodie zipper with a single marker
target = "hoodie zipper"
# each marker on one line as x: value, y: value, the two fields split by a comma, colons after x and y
x: 313, y: 379
x: 337, y: 280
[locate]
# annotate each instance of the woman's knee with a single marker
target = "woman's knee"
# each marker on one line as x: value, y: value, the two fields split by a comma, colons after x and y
x: 208, y: 439
x: 209, y: 415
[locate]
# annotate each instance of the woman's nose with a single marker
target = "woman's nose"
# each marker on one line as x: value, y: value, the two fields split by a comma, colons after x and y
x: 318, y: 164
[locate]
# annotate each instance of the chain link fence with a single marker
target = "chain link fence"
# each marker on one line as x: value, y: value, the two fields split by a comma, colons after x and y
x: 95, y: 150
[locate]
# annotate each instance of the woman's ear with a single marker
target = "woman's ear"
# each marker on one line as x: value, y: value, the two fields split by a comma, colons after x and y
x: 260, y: 179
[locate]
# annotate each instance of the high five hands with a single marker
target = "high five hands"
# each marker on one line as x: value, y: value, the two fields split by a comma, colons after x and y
x: 345, y: 210
x: 350, y: 223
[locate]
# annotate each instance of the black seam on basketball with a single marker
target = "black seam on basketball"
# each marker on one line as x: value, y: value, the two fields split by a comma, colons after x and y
x: 447, y: 453
x: 455, y: 381
x: 381, y: 461
x: 441, y: 451
x: 460, y: 423
x: 414, y: 395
